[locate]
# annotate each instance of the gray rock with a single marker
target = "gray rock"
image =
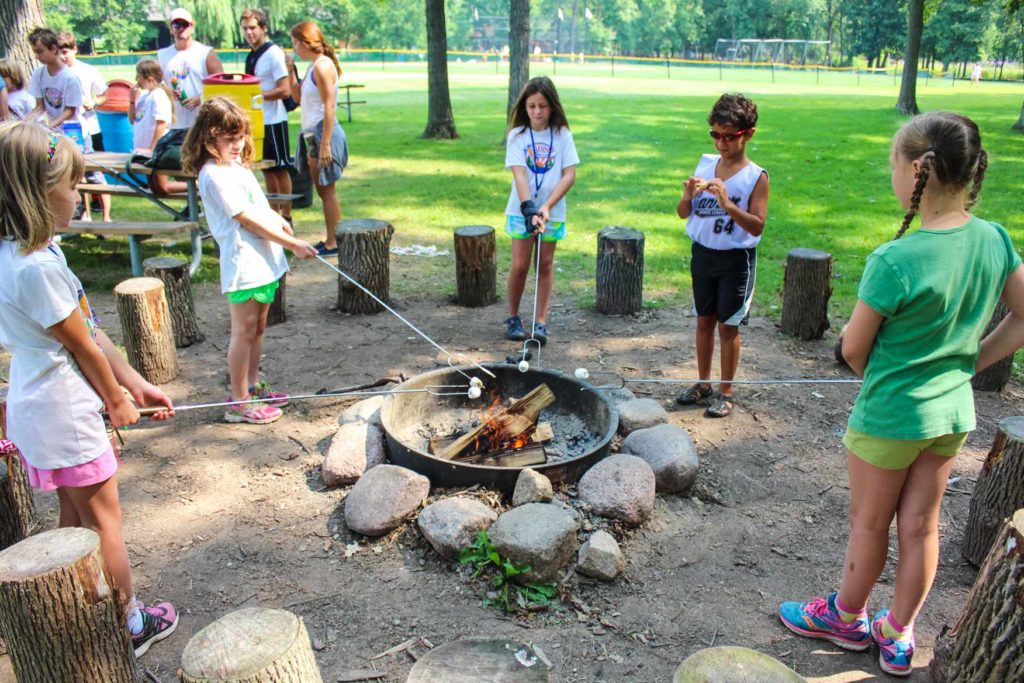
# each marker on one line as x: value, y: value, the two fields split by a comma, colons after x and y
x: 532, y: 487
x: 538, y: 534
x: 619, y: 487
x: 600, y: 557
x: 640, y: 413
x: 620, y: 395
x: 729, y: 664
x: 451, y: 524
x: 669, y: 451
x: 383, y: 498
x: 367, y: 410
x: 354, y: 448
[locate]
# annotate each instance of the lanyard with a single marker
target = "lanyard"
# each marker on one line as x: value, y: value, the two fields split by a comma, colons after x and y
x: 538, y: 175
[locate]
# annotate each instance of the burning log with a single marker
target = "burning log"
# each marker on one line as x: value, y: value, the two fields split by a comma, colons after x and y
x: 540, y: 436
x: 519, y: 457
x: 509, y: 428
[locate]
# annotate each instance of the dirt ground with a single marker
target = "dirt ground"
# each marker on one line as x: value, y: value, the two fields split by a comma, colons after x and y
x: 219, y: 517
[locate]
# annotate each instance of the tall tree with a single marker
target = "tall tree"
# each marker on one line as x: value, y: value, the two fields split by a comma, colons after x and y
x: 19, y: 18
x: 519, y: 48
x: 440, y: 121
x: 907, y: 102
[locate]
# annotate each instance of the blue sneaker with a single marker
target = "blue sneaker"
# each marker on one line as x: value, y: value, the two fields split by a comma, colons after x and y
x: 540, y: 333
x: 893, y: 655
x: 514, y: 328
x: 820, y: 619
x: 323, y: 250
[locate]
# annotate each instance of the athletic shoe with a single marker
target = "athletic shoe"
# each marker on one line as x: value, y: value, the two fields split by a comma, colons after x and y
x: 540, y: 333
x: 514, y: 328
x: 158, y: 622
x: 252, y: 413
x: 820, y: 619
x: 893, y: 655
x: 263, y: 390
x: 323, y: 250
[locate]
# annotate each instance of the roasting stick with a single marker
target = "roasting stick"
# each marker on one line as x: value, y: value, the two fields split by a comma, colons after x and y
x: 524, y: 364
x: 584, y: 374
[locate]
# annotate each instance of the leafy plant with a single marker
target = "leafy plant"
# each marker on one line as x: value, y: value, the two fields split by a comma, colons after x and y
x: 510, y: 596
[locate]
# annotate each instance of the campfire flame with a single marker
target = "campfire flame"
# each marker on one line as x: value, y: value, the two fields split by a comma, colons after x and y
x: 495, y: 436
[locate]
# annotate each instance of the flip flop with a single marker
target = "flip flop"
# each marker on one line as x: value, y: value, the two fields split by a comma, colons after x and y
x: 695, y: 395
x: 721, y: 406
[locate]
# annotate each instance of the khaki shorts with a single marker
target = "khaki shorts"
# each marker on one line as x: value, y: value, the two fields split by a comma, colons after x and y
x: 899, y: 454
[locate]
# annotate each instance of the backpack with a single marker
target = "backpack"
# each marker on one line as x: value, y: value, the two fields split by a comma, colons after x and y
x: 250, y: 68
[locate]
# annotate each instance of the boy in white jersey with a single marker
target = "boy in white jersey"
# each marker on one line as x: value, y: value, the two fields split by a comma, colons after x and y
x: 725, y: 205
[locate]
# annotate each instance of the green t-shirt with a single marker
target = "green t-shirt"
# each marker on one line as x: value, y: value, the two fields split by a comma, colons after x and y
x: 937, y: 290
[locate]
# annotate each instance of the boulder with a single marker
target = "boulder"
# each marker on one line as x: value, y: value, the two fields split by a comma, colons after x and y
x: 600, y: 557
x: 367, y: 410
x: 354, y: 448
x: 537, y: 534
x: 532, y: 487
x: 619, y: 487
x: 640, y: 413
x: 669, y: 451
x: 620, y: 395
x: 383, y: 498
x: 451, y: 524
x: 729, y: 664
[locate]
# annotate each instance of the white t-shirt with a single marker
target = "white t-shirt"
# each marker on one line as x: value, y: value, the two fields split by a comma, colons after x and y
x: 246, y: 259
x: 152, y: 106
x: 544, y: 155
x: 184, y: 71
x: 93, y: 85
x: 20, y: 102
x: 312, y: 105
x: 53, y: 413
x: 270, y: 68
x: 709, y: 225
x: 57, y: 92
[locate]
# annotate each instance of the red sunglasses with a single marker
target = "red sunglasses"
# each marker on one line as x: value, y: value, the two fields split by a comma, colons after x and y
x: 180, y: 23
x: 728, y: 137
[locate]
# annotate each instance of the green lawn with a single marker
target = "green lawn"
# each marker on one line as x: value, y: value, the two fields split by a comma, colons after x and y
x: 639, y: 134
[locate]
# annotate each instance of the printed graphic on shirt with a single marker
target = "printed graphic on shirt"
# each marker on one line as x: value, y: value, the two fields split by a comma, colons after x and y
x: 707, y: 207
x: 53, y: 97
x: 90, y: 318
x: 540, y: 157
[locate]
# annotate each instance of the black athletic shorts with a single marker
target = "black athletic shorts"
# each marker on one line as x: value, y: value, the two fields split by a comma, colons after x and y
x: 276, y: 146
x: 723, y: 282
x: 97, y: 142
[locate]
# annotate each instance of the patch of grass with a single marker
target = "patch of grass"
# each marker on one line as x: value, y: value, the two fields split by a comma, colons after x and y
x: 507, y: 595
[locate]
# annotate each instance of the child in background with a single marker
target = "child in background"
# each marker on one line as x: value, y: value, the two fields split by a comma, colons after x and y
x: 915, y: 337
x: 19, y: 102
x: 57, y: 90
x: 149, y: 106
x: 62, y: 365
x: 250, y: 235
x: 542, y: 156
x: 725, y: 206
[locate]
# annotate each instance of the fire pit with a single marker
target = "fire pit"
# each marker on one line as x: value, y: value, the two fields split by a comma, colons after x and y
x: 582, y: 424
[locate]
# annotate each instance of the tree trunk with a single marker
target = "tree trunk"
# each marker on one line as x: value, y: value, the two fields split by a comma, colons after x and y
x: 806, y: 289
x: 19, y: 18
x: 995, y: 377
x: 984, y: 645
x: 146, y: 326
x: 178, y: 290
x: 255, y: 645
x: 519, y: 49
x: 999, y: 491
x: 620, y: 270
x: 17, y: 506
x: 363, y: 254
x: 1020, y: 120
x: 60, y: 612
x: 907, y: 103
x: 440, y: 121
x: 476, y: 267
x: 277, y: 315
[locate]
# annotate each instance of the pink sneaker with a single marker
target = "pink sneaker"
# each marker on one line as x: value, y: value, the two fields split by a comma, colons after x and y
x: 263, y: 390
x: 251, y: 413
x: 158, y: 622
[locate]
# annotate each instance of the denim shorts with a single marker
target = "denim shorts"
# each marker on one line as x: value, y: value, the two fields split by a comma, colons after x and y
x: 515, y: 226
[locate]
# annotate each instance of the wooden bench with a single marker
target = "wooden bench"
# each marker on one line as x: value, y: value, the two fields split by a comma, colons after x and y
x: 348, y: 101
x: 135, y: 231
x: 125, y: 191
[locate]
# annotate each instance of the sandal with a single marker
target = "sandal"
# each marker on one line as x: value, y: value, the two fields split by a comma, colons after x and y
x: 695, y: 395
x: 721, y: 406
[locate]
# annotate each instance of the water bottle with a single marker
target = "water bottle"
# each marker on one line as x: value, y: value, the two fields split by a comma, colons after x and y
x: 73, y: 129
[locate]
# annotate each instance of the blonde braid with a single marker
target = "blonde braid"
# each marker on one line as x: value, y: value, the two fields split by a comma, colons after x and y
x: 915, y: 198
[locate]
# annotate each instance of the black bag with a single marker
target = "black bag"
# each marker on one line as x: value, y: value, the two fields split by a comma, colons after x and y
x: 167, y: 151
x: 250, y: 68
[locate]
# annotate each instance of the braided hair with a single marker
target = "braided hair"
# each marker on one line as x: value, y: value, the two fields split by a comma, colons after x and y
x: 949, y: 149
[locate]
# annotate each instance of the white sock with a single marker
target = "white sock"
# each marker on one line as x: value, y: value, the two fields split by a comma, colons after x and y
x: 134, y: 622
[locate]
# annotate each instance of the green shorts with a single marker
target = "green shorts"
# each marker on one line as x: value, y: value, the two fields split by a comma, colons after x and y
x: 263, y: 294
x: 899, y: 454
x: 515, y: 226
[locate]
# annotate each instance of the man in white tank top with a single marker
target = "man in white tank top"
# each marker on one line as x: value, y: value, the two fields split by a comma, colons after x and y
x: 725, y: 206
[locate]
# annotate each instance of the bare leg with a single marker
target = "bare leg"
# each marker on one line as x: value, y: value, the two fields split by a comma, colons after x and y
x: 729, y: 337
x: 68, y: 514
x: 705, y: 344
x: 105, y: 203
x: 244, y: 322
x: 521, y: 251
x: 544, y: 283
x: 329, y: 198
x: 279, y: 181
x: 163, y: 185
x: 99, y: 508
x: 256, y: 348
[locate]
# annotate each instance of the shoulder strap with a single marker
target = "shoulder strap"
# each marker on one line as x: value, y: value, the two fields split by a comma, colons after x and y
x: 254, y: 56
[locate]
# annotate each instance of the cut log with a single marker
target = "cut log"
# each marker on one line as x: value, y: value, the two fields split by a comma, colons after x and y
x: 519, y: 457
x: 178, y: 290
x: 17, y: 506
x: 999, y: 491
x: 984, y: 645
x: 506, y: 425
x: 276, y: 315
x: 61, y: 614
x: 480, y: 659
x: 541, y: 435
x: 620, y: 271
x: 476, y: 266
x: 255, y: 645
x: 363, y: 253
x: 994, y: 377
x: 806, y: 289
x: 147, y: 330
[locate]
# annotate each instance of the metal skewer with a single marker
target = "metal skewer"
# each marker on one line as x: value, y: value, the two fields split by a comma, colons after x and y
x: 583, y: 373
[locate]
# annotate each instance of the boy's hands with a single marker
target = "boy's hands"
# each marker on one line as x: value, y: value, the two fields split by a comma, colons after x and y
x: 693, y: 186
x: 716, y: 187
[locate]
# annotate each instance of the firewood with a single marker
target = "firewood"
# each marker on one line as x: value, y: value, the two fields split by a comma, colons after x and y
x: 519, y: 457
x: 513, y: 421
x: 541, y: 435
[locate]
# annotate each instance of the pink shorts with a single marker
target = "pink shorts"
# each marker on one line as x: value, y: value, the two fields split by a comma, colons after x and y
x: 88, y: 473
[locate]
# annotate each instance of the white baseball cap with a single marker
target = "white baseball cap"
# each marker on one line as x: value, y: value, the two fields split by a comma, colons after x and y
x: 181, y: 14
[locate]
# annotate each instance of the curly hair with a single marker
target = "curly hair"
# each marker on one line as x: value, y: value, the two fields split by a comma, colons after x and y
x: 218, y: 117
x: 733, y: 109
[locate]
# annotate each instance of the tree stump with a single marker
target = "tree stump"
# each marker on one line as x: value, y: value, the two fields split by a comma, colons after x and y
x: 476, y: 266
x: 806, y: 289
x: 995, y: 377
x: 17, y: 506
x: 363, y: 253
x: 276, y: 314
x: 146, y: 326
x: 178, y: 290
x: 620, y: 270
x: 60, y: 613
x: 471, y: 660
x: 255, y: 645
x: 731, y: 664
x: 999, y: 491
x: 984, y: 645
